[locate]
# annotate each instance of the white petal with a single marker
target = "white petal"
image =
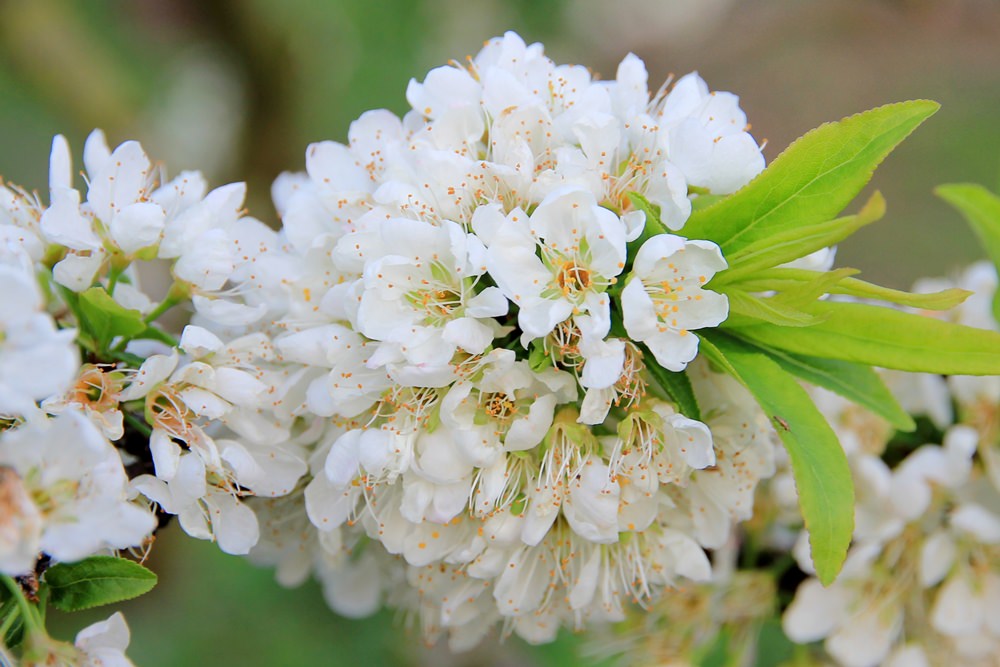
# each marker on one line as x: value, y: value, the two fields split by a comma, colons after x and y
x: 936, y: 558
x: 957, y: 609
x: 488, y: 303
x: 138, y: 226
x: 199, y: 342
x: 814, y: 612
x: 234, y: 525
x: 469, y: 334
x: 76, y: 272
x: 977, y: 521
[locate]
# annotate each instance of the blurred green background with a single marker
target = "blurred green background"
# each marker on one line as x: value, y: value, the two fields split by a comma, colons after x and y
x: 238, y: 88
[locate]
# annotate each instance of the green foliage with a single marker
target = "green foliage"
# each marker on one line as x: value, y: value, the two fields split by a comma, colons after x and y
x: 96, y: 581
x: 747, y: 309
x: 652, y: 227
x: 773, y: 646
x: 855, y: 382
x: 10, y: 620
x: 981, y: 209
x: 677, y: 386
x: 103, y: 318
x: 822, y: 476
x: 812, y: 180
x: 805, y: 286
x: 879, y: 336
x: 791, y: 244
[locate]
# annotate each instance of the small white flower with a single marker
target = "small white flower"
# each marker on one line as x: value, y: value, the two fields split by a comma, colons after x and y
x: 36, y: 359
x: 103, y: 644
x: 76, y: 479
x: 665, y: 297
x: 582, y: 251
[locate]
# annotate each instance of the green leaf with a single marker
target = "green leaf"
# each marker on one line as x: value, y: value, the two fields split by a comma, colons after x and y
x: 798, y: 242
x: 704, y: 201
x: 653, y: 224
x: 809, y: 290
x: 855, y: 382
x: 774, y: 648
x: 943, y: 300
x: 822, y: 476
x: 747, y: 309
x: 10, y: 615
x: 96, y: 581
x: 677, y: 386
x: 104, y: 318
x: 802, y: 281
x: 716, y: 357
x: 812, y: 181
x: 981, y: 209
x: 879, y: 336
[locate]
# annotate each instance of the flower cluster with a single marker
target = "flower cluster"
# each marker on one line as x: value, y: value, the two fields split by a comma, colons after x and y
x: 477, y: 375
x: 476, y: 290
x: 106, y: 425
x: 440, y: 359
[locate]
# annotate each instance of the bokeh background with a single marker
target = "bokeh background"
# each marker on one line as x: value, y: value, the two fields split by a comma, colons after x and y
x: 238, y: 89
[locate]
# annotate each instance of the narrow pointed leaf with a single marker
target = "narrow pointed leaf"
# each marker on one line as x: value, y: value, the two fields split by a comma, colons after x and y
x: 96, y: 581
x: 747, y: 309
x: 808, y: 291
x: 943, y: 300
x: 879, y: 336
x: 789, y: 281
x: 857, y: 383
x: 812, y: 181
x: 822, y: 476
x: 798, y: 242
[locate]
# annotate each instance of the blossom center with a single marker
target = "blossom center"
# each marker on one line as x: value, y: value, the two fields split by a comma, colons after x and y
x: 499, y: 407
x: 573, y: 278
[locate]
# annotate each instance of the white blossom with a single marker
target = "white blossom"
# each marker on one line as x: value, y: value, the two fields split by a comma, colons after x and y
x: 664, y: 297
x: 76, y: 481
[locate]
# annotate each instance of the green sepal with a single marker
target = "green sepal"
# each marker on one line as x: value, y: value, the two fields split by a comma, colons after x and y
x: 652, y: 227
x: 96, y: 581
x: 104, y: 319
x: 879, y: 336
x: 153, y: 333
x: 538, y: 359
x: 676, y: 386
x: 812, y: 181
x: 819, y: 464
